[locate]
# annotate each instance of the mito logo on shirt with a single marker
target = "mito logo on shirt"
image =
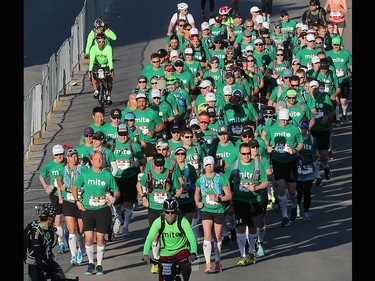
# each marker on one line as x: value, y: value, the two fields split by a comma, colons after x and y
x: 97, y: 182
x: 338, y: 60
x: 55, y: 173
x: 282, y: 134
x: 294, y: 113
x: 223, y: 154
x: 142, y: 120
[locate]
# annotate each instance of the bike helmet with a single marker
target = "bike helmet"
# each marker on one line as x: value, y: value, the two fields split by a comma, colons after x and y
x: 45, y: 210
x: 98, y: 23
x: 182, y: 6
x: 223, y: 11
x: 170, y: 204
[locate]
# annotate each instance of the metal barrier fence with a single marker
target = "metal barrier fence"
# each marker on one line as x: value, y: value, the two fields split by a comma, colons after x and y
x: 40, y: 100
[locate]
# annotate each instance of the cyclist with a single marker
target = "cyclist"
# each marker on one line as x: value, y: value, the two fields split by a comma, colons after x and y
x: 99, y: 27
x: 40, y: 242
x: 177, y: 242
x: 101, y: 57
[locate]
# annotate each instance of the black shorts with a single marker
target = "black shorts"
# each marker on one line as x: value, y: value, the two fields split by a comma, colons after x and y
x: 345, y: 88
x: 153, y: 215
x: 54, y: 199
x: 70, y: 209
x: 99, y: 220
x: 322, y: 139
x: 248, y: 214
x: 218, y: 218
x: 128, y: 190
x: 188, y: 210
x: 285, y: 171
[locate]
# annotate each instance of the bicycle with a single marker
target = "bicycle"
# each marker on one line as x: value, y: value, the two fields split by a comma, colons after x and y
x: 171, y: 268
x: 101, y: 76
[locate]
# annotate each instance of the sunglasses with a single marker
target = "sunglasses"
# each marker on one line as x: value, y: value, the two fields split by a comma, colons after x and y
x: 101, y: 41
x: 116, y: 118
x: 188, y: 137
x: 59, y: 154
x: 187, y: 29
x: 296, y: 63
x: 295, y: 85
x: 169, y: 212
x: 246, y: 136
x: 175, y: 132
x: 156, y: 98
x: 154, y: 83
x: 155, y: 61
x: 203, y: 122
x: 161, y: 149
x: 250, y: 60
x: 246, y: 153
x: 258, y: 44
x: 279, y: 55
x: 88, y: 136
x: 291, y: 98
x: 248, y: 26
x: 141, y: 81
x: 180, y: 153
x: 129, y: 120
x: 181, y: 25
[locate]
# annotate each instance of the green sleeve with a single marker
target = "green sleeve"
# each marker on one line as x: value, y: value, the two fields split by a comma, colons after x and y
x: 151, y: 235
x: 110, y: 34
x: 90, y: 41
x: 190, y: 235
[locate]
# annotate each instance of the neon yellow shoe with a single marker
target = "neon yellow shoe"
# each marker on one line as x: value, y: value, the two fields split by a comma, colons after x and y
x: 250, y: 258
x: 242, y: 261
x: 154, y: 269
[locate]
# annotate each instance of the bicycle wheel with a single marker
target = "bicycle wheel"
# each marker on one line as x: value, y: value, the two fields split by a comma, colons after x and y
x: 101, y: 98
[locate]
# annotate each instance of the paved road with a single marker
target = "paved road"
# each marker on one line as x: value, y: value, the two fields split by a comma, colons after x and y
x: 317, y: 250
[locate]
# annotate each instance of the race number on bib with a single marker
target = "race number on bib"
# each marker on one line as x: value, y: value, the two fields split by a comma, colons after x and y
x: 96, y: 201
x: 160, y: 197
x: 123, y: 164
x: 305, y: 170
x: 209, y: 201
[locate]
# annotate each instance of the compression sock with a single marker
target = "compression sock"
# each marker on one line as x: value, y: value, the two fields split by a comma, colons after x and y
x: 344, y: 109
x: 261, y: 233
x: 217, y: 249
x: 155, y: 246
x: 81, y: 242
x: 72, y: 244
x: 252, y: 238
x: 207, y: 248
x: 283, y: 202
x: 60, y: 233
x: 127, y: 218
x: 241, y: 242
x: 90, y: 253
x: 100, y: 250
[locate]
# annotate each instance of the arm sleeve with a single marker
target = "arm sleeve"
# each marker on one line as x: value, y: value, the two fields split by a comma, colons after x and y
x: 89, y: 43
x: 190, y: 235
x: 151, y: 235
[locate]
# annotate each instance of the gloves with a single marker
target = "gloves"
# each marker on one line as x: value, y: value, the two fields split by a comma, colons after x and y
x: 192, y: 258
x: 146, y: 259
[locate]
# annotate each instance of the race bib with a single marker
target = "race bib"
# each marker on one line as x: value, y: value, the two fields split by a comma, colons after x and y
x: 195, y: 163
x: 184, y: 195
x: 336, y: 14
x: 236, y: 130
x: 280, y: 148
x: 319, y: 114
x: 209, y: 201
x: 160, y: 197
x: 309, y: 65
x: 339, y: 72
x: 96, y: 201
x: 144, y: 129
x: 244, y: 187
x: 123, y: 164
x: 305, y: 169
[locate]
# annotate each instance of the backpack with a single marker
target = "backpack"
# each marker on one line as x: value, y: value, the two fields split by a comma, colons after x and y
x: 104, y: 151
x: 217, y: 188
x: 167, y: 183
x: 26, y: 238
x: 180, y: 100
x: 130, y: 141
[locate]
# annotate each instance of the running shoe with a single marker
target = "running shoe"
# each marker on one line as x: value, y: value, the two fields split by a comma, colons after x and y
x: 250, y: 258
x: 99, y: 270
x: 207, y: 268
x: 218, y: 267
x: 90, y: 269
x: 306, y: 216
x: 73, y: 261
x: 242, y: 261
x: 125, y: 232
x: 61, y: 248
x: 96, y: 94
x: 154, y: 268
x: 318, y: 182
x: 79, y: 257
x: 261, y: 252
x: 293, y: 214
x: 327, y: 173
x: 285, y: 222
x: 233, y: 235
x: 116, y: 226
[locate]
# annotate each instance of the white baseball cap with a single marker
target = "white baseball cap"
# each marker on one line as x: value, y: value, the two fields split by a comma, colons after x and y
x: 210, y: 97
x: 174, y: 53
x: 155, y: 93
x: 284, y: 114
x: 254, y: 9
x: 208, y: 160
x: 205, y: 83
x: 57, y: 149
x: 204, y: 25
x: 314, y: 83
x: 194, y: 31
x: 227, y: 90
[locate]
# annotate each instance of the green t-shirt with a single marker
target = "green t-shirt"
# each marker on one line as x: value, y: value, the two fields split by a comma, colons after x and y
x: 147, y: 121
x: 95, y: 185
x: 124, y: 157
x: 52, y: 170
